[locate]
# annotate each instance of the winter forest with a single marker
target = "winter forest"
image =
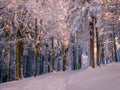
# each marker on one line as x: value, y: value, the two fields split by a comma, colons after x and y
x: 39, y: 37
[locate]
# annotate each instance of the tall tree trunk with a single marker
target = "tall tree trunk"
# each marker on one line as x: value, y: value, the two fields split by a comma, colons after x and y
x: 74, y: 58
x: 28, y: 62
x: 114, y: 44
x: 36, y: 49
x: 19, y: 54
x: 79, y: 58
x: 97, y: 47
x: 53, y: 55
x: 92, y: 62
x: 64, y: 62
x: 2, y: 67
x: 102, y: 56
x: 27, y: 66
x: 64, y: 57
x: 46, y: 63
x: 36, y: 60
x: 9, y: 57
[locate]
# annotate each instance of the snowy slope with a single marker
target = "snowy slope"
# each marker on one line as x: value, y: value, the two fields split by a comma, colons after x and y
x: 102, y: 78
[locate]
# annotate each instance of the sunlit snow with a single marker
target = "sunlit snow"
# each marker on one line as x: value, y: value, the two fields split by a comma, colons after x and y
x: 102, y: 78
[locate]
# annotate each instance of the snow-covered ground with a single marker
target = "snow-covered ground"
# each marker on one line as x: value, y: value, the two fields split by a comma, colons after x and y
x: 101, y: 78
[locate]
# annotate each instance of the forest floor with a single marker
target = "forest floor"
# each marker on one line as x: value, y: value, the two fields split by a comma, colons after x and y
x: 106, y: 77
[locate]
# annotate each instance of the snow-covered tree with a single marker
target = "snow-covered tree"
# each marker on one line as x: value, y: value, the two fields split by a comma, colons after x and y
x: 84, y: 16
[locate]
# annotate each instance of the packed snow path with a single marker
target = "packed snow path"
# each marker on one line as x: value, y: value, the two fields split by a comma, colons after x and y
x: 101, y: 78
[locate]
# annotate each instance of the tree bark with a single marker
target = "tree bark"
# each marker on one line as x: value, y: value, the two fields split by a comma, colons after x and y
x: 79, y: 58
x: 92, y: 63
x: 64, y: 57
x: 74, y: 58
x: 36, y: 60
x: 98, y: 49
x: 114, y: 43
x: 36, y: 49
x: 9, y: 57
x: 53, y: 54
x: 19, y: 54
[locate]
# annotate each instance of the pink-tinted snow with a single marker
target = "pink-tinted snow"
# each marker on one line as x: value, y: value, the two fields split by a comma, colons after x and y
x: 101, y: 78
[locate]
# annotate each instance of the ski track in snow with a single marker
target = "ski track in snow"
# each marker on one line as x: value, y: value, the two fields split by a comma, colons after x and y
x: 101, y: 78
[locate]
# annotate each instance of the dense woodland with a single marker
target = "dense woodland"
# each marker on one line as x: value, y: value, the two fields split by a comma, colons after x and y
x: 42, y: 36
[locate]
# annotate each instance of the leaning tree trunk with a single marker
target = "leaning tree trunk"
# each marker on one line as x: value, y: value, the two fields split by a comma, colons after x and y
x: 92, y: 63
x: 19, y: 54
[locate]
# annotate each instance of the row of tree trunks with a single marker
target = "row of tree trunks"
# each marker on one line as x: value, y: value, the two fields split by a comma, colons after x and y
x: 93, y: 30
x: 75, y: 61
